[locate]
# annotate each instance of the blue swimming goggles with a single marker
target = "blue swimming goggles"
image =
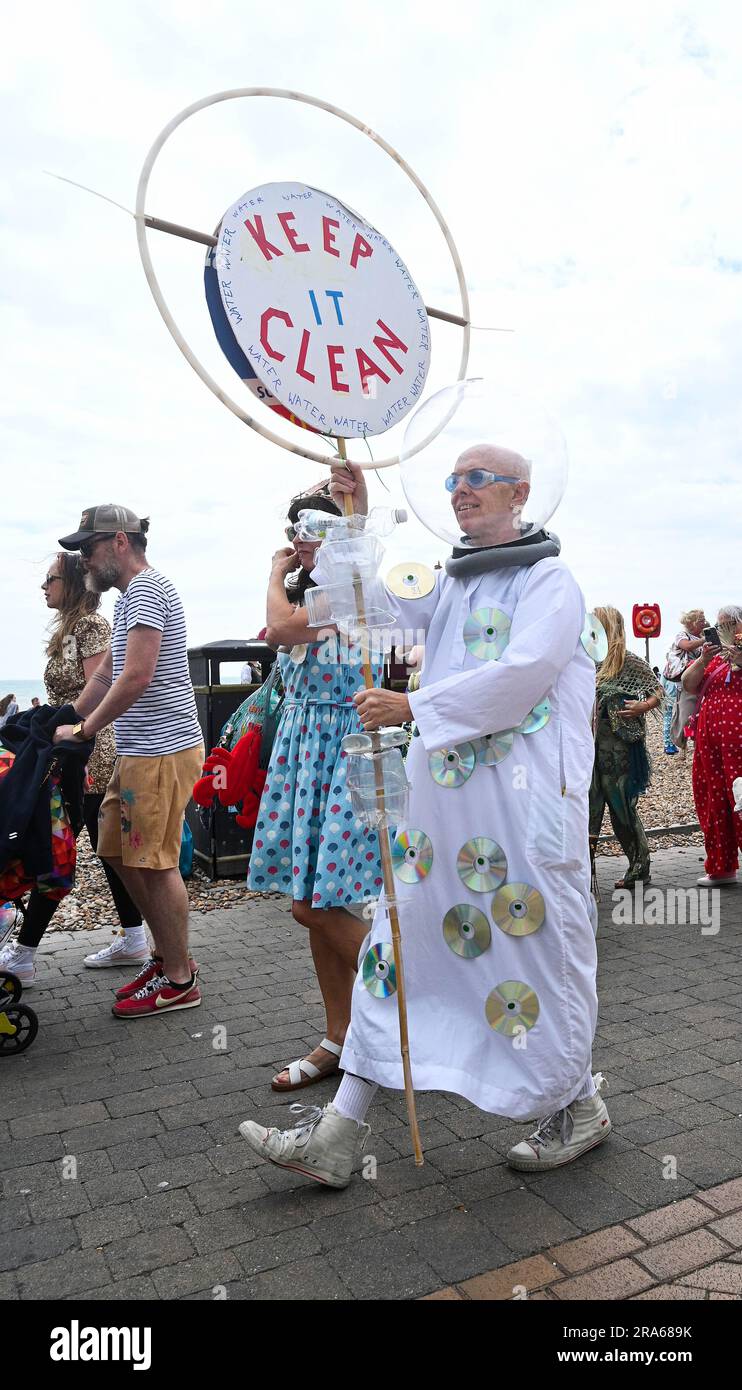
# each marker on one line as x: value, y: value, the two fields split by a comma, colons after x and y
x: 476, y: 478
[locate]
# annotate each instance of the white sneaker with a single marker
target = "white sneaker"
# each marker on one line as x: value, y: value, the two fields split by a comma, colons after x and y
x: 324, y: 1145
x: 13, y: 957
x: 581, y: 1126
x: 716, y: 880
x: 117, y: 954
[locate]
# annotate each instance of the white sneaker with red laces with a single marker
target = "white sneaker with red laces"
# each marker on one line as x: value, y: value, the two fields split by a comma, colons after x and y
x: 580, y: 1126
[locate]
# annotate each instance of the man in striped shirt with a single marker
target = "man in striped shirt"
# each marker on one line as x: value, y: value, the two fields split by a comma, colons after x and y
x: 143, y: 687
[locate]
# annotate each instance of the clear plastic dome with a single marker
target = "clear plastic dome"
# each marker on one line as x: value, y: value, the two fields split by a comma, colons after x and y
x: 482, y: 466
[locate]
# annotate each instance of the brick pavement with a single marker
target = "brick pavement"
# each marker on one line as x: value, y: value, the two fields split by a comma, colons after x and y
x: 124, y: 1176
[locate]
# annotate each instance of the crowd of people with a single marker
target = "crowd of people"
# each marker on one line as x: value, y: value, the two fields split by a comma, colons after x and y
x: 135, y: 678
x: 126, y: 693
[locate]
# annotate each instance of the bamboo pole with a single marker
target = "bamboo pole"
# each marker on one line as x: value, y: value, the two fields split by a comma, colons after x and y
x: 388, y: 875
x: 158, y: 224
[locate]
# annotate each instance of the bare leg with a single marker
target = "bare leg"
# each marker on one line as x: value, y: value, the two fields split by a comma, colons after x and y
x: 336, y: 982
x: 133, y: 882
x: 161, y: 897
x: 340, y: 930
x: 335, y: 938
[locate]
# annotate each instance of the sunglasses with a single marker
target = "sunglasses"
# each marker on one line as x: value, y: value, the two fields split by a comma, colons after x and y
x: 476, y: 478
x: 87, y: 547
x: 50, y: 580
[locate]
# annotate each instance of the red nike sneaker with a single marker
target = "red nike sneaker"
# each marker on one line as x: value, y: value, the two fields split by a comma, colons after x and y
x: 151, y: 967
x: 159, y: 996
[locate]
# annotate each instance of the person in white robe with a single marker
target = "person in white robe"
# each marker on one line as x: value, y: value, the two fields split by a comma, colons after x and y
x: 497, y: 932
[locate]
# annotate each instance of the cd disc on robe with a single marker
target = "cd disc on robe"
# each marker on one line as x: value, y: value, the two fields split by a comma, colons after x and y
x: 412, y: 855
x: 481, y: 864
x: 493, y: 748
x: 378, y: 970
x: 486, y: 633
x: 594, y: 638
x: 511, y: 1006
x: 539, y: 715
x: 411, y: 581
x: 451, y: 767
x: 518, y: 909
x: 467, y: 931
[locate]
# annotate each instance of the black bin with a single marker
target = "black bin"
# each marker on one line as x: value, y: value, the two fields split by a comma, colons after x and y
x: 221, y: 847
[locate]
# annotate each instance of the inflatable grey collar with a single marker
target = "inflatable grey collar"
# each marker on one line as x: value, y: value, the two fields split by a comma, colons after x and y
x: 540, y: 545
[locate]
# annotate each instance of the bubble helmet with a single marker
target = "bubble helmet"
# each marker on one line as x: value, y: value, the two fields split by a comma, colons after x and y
x: 475, y: 427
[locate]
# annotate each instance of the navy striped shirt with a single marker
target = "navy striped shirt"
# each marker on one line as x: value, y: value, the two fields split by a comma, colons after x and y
x: 163, y: 720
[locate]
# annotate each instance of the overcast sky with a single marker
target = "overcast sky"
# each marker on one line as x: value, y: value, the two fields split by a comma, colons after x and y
x: 587, y: 160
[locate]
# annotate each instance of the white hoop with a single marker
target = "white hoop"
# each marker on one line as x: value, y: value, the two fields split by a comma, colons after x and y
x: 159, y: 298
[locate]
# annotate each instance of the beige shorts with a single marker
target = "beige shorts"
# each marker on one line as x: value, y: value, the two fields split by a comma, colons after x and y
x: 141, y: 815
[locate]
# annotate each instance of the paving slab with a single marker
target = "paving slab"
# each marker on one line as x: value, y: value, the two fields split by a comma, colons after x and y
x: 124, y: 1174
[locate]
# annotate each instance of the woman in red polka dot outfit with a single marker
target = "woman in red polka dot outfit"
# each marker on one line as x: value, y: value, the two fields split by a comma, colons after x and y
x: 717, y: 676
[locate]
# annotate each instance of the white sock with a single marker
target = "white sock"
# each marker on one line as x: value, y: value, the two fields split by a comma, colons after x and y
x: 353, y: 1097
x: 134, y: 937
x: 588, y: 1089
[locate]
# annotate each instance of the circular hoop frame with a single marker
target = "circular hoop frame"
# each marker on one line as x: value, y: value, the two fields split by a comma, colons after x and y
x: 159, y: 298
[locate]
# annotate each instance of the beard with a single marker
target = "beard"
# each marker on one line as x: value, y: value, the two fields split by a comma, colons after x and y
x: 105, y: 578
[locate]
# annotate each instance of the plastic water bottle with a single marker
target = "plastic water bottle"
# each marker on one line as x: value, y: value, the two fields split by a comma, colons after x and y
x: 322, y: 526
x: 381, y: 521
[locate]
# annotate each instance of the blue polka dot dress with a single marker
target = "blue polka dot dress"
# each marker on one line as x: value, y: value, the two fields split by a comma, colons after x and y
x: 308, y: 841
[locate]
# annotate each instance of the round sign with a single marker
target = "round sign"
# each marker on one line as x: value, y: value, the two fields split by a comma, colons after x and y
x: 231, y: 348
x: 323, y: 309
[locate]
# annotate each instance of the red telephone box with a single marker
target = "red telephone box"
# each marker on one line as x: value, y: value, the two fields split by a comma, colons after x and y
x: 647, y: 619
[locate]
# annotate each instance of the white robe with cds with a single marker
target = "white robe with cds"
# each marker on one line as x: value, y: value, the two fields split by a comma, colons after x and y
x: 533, y: 804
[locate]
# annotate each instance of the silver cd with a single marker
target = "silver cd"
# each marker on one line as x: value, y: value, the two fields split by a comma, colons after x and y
x: 411, y: 581
x: 467, y: 931
x: 379, y: 971
x: 518, y: 909
x: 451, y: 767
x: 486, y: 633
x: 594, y: 638
x: 493, y: 747
x: 535, y: 720
x: 481, y: 864
x: 511, y: 1006
x: 412, y: 855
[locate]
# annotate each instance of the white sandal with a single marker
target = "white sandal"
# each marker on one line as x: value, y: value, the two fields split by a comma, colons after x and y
x: 304, y: 1073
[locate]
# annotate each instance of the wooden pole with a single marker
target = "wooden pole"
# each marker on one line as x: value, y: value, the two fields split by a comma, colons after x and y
x: 388, y: 875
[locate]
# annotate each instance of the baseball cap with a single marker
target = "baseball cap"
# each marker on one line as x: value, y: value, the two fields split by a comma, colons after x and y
x: 95, y: 521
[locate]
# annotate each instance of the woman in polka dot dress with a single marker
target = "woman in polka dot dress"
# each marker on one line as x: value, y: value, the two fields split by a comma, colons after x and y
x: 717, y: 759
x: 308, y: 841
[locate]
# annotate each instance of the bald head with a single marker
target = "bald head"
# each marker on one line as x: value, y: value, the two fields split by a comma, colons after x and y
x: 488, y: 508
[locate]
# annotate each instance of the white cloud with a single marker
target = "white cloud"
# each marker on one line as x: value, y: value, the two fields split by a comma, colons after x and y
x: 586, y: 159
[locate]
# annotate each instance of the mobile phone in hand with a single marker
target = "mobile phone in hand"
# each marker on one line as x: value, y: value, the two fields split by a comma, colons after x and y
x: 711, y: 636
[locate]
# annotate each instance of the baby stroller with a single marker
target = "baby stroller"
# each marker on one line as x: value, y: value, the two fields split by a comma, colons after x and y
x: 18, y: 1024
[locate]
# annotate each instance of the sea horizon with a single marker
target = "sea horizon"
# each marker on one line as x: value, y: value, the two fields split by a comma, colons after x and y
x: 24, y: 689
